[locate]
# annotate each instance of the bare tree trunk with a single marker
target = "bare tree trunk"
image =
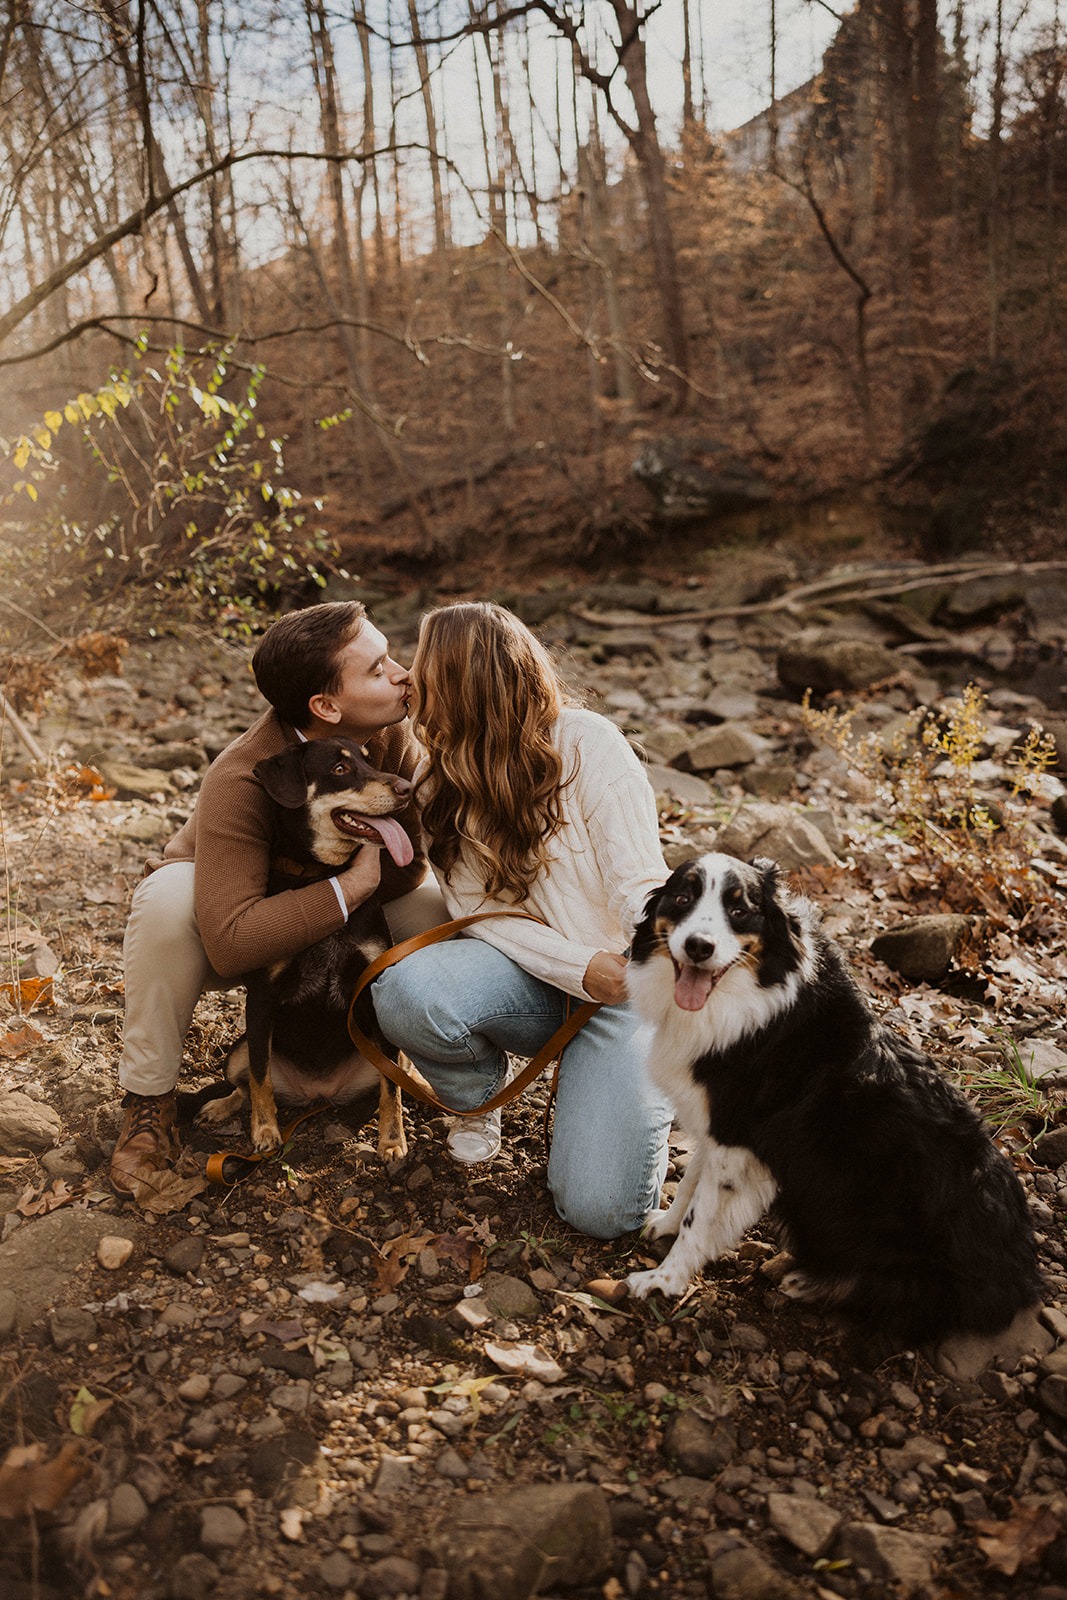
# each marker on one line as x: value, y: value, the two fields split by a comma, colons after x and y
x: 359, y: 17
x: 134, y: 72
x: 323, y: 68
x: 496, y: 184
x: 440, y: 229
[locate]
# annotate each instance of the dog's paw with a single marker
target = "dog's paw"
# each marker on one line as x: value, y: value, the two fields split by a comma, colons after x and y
x: 659, y: 1225
x: 393, y: 1150
x: 642, y: 1284
x: 223, y: 1109
x: 265, y: 1139
x: 798, y: 1286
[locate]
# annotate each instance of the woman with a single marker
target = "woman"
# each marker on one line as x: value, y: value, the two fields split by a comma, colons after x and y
x: 528, y: 800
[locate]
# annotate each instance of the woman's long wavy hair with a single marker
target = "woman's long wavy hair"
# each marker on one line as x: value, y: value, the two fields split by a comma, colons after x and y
x: 486, y: 698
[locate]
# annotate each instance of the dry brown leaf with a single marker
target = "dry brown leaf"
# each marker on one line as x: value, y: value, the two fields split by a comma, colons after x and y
x: 29, y: 1484
x: 19, y: 1042
x: 166, y: 1191
x: 29, y: 992
x: 35, y: 1203
x: 1019, y: 1540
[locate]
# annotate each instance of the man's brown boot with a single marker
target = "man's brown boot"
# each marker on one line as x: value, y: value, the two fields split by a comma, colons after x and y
x: 147, y: 1142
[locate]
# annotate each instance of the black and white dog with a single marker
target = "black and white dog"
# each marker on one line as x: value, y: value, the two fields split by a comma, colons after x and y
x: 329, y: 803
x: 893, y: 1202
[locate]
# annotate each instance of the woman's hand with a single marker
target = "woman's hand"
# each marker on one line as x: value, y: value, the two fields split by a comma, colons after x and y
x: 359, y: 881
x: 605, y: 978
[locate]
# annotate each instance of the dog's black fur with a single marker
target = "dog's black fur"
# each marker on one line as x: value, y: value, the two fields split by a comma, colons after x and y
x: 893, y: 1201
x: 329, y: 803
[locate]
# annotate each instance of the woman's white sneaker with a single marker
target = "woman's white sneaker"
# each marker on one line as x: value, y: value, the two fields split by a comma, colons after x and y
x: 475, y: 1139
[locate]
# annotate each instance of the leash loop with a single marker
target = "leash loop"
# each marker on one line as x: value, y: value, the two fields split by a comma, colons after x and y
x: 409, y: 1079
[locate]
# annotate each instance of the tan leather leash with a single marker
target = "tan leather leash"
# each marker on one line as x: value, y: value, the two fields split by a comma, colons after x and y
x: 411, y: 1080
x: 217, y: 1164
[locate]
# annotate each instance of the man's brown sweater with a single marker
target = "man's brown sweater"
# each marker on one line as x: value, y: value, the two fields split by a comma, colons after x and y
x: 230, y: 838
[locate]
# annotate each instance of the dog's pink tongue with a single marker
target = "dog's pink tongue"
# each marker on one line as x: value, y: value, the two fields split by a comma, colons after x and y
x: 393, y: 838
x: 692, y: 987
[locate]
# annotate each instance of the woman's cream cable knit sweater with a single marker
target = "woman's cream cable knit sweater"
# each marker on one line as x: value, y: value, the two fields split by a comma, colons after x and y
x: 603, y: 863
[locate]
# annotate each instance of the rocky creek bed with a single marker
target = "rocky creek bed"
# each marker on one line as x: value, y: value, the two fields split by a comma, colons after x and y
x: 333, y: 1379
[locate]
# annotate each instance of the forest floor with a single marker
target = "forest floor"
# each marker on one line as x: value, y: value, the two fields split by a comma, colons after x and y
x: 331, y: 1378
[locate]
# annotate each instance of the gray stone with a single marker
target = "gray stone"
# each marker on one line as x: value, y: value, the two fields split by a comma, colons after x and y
x: 1042, y: 1059
x: 510, y: 1297
x: 922, y: 949
x: 700, y: 1447
x: 556, y: 1534
x: 337, y: 1572
x: 70, y: 1325
x: 192, y: 1577
x: 222, y: 1528
x: 184, y: 1255
x: 133, y: 783
x: 9, y: 1308
x: 724, y: 746
x: 822, y: 664
x: 393, y: 1575
x: 665, y: 744
x: 683, y: 788
x: 1052, y: 1393
x: 26, y: 1124
x: 126, y: 1509
x: 780, y: 832
x: 964, y: 1355
x: 394, y: 1475
x: 38, y: 1262
x: 738, y: 1572
x: 889, y: 1554
x: 808, y: 1525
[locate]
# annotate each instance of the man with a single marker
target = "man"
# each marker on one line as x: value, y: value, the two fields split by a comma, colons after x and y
x: 201, y: 917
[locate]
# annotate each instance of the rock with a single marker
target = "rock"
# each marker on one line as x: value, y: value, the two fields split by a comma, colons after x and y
x: 394, y: 1575
x: 126, y: 1509
x: 37, y: 1262
x: 771, y: 780
x: 556, y: 1534
x: 809, y: 1525
x: 510, y: 1297
x: 337, y: 1571
x: 394, y: 1475
x: 8, y: 1312
x: 699, y: 1447
x: 1058, y: 813
x: 922, y: 949
x: 665, y: 744
x: 731, y: 705
x: 692, y: 479
x: 222, y: 1528
x: 70, y: 1325
x: 26, y: 1124
x: 114, y: 1251
x: 890, y: 1555
x: 134, y: 783
x: 738, y: 1572
x: 1041, y: 1058
x: 964, y: 1355
x: 822, y: 664
x: 192, y: 1577
x: 184, y: 1255
x: 725, y: 746
x: 682, y: 788
x: 780, y: 832
x: 1052, y: 1392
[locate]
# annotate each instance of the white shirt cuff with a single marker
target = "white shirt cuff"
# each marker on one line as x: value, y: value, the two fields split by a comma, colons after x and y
x: 340, y: 898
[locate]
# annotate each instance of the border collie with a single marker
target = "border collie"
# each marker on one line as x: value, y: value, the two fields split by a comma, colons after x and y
x: 893, y: 1202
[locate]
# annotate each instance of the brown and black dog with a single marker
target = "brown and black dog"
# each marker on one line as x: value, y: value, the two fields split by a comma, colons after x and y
x: 330, y: 802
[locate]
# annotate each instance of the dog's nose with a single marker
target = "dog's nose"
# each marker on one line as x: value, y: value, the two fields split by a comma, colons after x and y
x: 698, y: 949
x: 401, y: 788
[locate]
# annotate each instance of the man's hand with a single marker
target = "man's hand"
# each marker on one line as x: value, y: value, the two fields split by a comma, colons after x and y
x: 605, y: 978
x: 361, y: 880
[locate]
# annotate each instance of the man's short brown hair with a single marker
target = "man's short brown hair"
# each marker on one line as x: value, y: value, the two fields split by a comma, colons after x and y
x: 299, y: 656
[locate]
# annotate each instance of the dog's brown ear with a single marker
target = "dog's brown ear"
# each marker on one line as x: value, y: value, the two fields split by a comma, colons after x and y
x: 284, y: 778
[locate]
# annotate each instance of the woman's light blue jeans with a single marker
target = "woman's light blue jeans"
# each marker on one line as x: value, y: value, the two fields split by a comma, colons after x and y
x: 457, y: 1009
